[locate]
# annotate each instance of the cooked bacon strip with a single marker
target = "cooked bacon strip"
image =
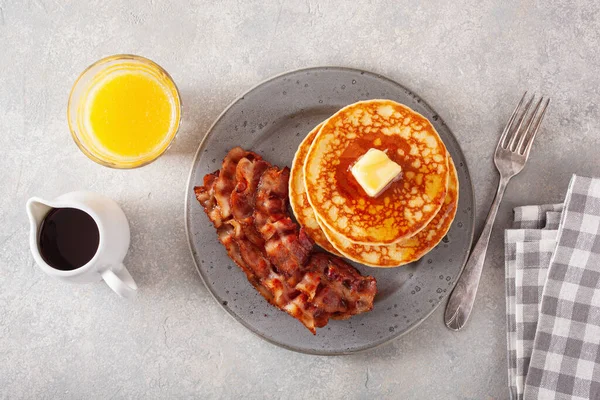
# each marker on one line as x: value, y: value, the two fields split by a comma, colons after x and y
x: 247, y: 203
x: 242, y: 199
x: 271, y: 200
x: 251, y: 259
x: 226, y: 182
x: 347, y: 291
x: 226, y: 233
x: 251, y: 254
x: 206, y: 197
x: 287, y: 246
x: 247, y: 175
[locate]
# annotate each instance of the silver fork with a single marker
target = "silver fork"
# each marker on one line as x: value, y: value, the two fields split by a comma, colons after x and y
x: 510, y: 157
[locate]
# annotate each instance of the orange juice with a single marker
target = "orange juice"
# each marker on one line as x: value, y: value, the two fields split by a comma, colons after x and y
x: 127, y: 113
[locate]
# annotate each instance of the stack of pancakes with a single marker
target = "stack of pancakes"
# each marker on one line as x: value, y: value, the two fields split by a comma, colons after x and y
x: 408, y: 218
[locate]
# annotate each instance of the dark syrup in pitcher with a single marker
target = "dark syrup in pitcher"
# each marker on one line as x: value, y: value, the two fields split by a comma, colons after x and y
x: 68, y: 239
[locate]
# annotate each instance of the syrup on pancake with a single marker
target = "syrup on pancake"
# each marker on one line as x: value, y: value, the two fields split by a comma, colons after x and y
x: 407, y: 250
x: 408, y: 204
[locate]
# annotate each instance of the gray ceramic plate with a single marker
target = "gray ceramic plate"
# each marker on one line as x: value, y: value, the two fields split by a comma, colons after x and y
x: 272, y: 119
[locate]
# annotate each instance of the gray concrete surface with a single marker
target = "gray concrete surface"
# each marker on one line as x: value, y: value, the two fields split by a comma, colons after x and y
x: 469, y: 59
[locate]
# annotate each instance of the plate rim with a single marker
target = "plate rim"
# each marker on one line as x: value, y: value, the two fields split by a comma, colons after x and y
x: 363, y: 348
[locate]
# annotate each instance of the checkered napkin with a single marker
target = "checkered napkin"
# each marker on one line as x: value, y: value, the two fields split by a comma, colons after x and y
x: 532, y: 233
x: 553, y: 297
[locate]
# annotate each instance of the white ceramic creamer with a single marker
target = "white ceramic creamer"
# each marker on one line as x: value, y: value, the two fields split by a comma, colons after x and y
x: 114, y: 237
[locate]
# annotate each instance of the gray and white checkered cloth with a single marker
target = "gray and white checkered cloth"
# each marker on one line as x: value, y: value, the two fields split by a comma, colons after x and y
x: 553, y: 297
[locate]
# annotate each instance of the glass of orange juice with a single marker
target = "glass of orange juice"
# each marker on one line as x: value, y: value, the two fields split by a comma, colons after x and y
x: 124, y: 111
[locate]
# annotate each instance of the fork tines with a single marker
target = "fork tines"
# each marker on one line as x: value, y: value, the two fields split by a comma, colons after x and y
x: 523, y: 125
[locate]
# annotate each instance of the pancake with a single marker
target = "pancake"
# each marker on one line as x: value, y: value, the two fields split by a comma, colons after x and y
x: 407, y: 250
x: 298, y: 199
x: 408, y: 204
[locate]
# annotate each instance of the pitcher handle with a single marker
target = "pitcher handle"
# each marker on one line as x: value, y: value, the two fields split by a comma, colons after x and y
x: 120, y: 281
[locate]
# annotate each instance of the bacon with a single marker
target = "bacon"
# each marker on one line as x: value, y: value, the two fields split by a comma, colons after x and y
x: 251, y: 254
x: 247, y: 174
x: 287, y: 246
x: 226, y: 181
x: 226, y: 233
x: 206, y: 197
x: 247, y: 202
x: 271, y: 201
x: 349, y: 293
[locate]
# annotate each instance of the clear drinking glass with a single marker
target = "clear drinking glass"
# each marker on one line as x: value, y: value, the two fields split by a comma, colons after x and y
x: 90, y: 82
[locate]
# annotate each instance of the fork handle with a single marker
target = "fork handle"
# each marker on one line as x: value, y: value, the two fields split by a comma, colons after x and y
x: 462, y: 298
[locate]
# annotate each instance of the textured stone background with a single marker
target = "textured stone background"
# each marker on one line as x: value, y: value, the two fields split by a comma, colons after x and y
x: 470, y: 59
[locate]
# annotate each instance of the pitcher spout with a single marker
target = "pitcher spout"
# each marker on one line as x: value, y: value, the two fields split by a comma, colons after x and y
x: 36, y: 211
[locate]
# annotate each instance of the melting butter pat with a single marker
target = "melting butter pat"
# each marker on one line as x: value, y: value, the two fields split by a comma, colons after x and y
x: 374, y: 171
